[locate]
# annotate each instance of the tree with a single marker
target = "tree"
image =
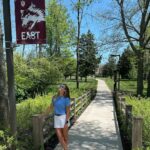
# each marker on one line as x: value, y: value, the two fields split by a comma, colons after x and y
x: 60, y: 29
x: 109, y: 68
x: 33, y: 76
x: 105, y: 70
x: 148, y: 86
x: 147, y: 71
x: 125, y: 64
x: 129, y: 24
x: 23, y: 82
x: 68, y: 63
x: 79, y: 7
x: 4, y: 109
x: 88, y: 60
x: 65, y: 62
x: 147, y: 66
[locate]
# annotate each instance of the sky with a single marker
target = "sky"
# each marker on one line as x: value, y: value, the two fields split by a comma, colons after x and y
x: 88, y: 23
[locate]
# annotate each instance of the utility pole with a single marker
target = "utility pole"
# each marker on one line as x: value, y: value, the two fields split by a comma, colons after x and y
x: 78, y: 42
x: 10, y: 66
x: 4, y: 111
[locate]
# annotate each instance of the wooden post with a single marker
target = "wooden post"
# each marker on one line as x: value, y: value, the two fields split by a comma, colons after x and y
x: 128, y: 114
x: 82, y: 102
x: 115, y: 80
x: 117, y: 102
x: 88, y: 98
x: 137, y: 132
x: 74, y: 110
x: 122, y: 101
x: 115, y: 99
x: 38, y: 140
x: 128, y: 117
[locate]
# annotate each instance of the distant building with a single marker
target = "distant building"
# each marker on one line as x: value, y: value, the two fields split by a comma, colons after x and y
x: 99, y: 70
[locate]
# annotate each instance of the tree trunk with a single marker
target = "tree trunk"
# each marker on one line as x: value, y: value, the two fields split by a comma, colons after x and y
x: 78, y: 44
x: 23, y: 50
x: 40, y: 50
x: 85, y: 79
x: 4, y: 111
x: 148, y: 85
x: 140, y: 73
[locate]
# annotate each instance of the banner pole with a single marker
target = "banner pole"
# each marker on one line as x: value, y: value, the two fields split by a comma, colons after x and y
x: 10, y: 66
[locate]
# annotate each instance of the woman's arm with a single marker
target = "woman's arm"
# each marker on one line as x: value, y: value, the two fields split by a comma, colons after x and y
x: 67, y: 113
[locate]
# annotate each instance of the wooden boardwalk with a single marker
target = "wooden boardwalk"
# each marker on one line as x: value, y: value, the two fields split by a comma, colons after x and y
x: 97, y: 127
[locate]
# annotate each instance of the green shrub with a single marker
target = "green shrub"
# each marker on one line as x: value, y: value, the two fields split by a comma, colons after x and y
x: 5, y: 140
x: 34, y: 75
x: 141, y: 108
x: 26, y: 109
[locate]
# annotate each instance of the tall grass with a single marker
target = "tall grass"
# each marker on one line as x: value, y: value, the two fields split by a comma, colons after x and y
x: 141, y: 108
x: 127, y: 86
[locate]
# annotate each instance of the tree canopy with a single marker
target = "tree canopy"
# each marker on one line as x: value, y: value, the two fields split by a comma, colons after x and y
x: 88, y: 55
x: 60, y: 28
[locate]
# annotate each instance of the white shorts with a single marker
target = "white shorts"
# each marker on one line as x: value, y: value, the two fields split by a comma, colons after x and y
x: 59, y: 121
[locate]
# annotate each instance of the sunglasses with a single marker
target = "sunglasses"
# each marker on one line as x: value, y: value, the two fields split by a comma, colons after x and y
x: 62, y: 86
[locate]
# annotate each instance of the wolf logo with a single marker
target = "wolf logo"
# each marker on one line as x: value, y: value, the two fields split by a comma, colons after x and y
x: 31, y: 16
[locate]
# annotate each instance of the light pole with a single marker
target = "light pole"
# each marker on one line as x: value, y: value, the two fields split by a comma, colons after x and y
x: 112, y: 55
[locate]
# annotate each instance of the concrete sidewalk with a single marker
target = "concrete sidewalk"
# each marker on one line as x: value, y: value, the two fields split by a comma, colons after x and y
x: 97, y: 127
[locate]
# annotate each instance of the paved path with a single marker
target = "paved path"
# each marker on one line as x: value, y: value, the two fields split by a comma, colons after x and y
x: 97, y: 127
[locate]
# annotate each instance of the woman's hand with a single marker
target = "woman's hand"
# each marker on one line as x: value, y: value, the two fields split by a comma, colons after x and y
x: 67, y: 123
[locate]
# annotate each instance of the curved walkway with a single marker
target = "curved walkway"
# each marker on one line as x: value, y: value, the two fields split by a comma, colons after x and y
x: 97, y: 127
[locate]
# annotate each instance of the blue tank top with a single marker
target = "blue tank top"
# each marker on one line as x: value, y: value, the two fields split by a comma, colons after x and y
x: 60, y: 103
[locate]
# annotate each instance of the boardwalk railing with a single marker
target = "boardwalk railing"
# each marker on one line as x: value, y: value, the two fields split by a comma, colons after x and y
x: 43, y: 128
x: 132, y: 125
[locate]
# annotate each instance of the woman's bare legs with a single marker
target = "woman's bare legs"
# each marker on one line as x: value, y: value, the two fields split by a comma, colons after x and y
x: 59, y: 132
x: 65, y: 134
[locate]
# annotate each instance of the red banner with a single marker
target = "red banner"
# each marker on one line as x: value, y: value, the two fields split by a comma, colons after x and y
x: 30, y: 21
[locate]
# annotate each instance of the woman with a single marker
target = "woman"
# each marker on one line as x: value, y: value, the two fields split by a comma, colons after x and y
x: 61, y: 105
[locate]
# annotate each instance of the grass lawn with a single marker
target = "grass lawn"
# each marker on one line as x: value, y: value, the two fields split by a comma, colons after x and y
x: 127, y: 86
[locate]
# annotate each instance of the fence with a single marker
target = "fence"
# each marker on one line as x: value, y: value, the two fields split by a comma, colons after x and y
x: 132, y: 125
x: 43, y: 126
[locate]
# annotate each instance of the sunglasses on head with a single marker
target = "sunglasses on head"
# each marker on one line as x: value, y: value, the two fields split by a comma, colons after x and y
x: 62, y: 86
